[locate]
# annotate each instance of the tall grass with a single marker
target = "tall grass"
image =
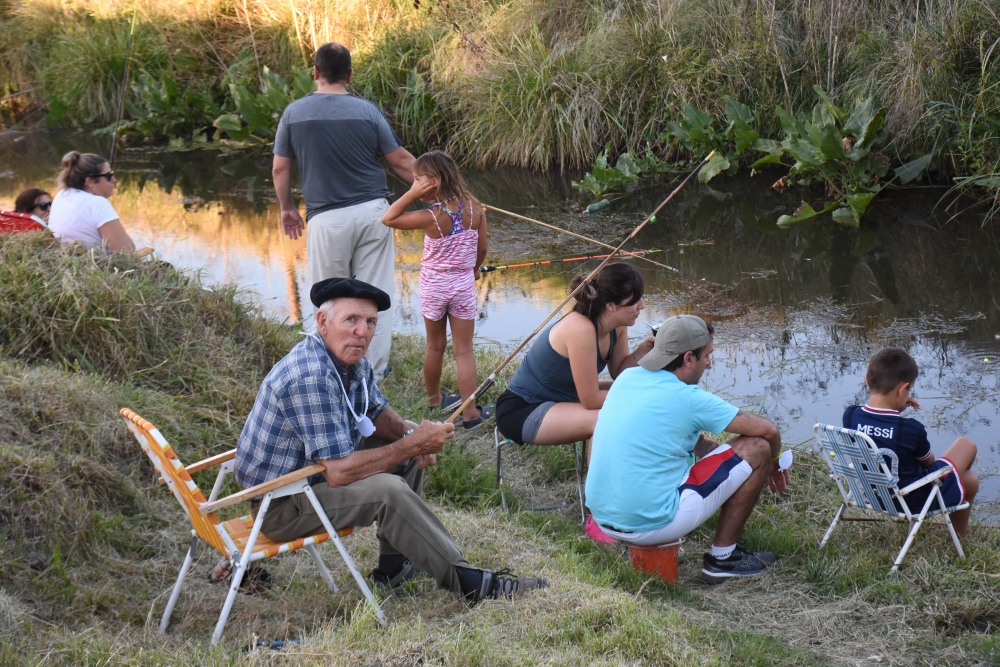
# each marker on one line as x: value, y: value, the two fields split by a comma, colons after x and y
x: 546, y: 83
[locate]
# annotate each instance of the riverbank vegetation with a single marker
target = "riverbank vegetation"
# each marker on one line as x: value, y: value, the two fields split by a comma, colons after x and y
x: 91, y: 543
x: 525, y: 83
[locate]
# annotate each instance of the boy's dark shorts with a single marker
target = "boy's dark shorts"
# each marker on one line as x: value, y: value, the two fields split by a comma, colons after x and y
x: 951, y: 489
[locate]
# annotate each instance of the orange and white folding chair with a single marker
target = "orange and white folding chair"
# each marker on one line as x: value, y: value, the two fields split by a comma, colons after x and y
x: 238, y: 540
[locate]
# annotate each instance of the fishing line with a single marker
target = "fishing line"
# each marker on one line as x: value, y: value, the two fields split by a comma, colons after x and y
x: 488, y: 382
x: 121, y: 97
x: 569, y: 233
x: 486, y: 268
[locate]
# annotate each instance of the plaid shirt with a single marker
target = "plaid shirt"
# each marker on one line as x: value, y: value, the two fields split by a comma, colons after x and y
x: 301, y: 414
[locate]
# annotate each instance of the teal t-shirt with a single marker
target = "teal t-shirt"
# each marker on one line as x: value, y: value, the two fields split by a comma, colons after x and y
x: 643, y: 446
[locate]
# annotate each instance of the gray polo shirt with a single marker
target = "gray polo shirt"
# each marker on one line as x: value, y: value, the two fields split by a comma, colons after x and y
x: 337, y: 142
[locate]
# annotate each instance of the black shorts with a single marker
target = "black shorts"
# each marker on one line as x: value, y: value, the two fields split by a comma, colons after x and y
x: 518, y: 419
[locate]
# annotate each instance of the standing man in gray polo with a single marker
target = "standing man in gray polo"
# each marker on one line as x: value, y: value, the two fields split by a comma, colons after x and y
x: 336, y: 140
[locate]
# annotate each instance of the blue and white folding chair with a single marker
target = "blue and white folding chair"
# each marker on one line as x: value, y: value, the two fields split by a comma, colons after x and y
x: 865, y: 481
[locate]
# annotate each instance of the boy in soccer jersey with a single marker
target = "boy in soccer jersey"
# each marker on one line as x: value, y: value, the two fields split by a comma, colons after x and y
x: 890, y: 377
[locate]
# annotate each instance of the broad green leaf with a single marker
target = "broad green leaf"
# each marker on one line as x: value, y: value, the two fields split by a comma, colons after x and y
x: 832, y: 109
x: 768, y: 146
x: 228, y: 122
x: 768, y: 159
x: 913, y: 169
x: 804, y: 212
x: 744, y: 138
x: 860, y: 117
x: 737, y: 111
x: 872, y: 131
x: 828, y: 140
x: 627, y: 165
x: 698, y: 119
x: 858, y: 202
x: 805, y: 154
x: 845, y: 216
x: 790, y: 126
x: 713, y: 167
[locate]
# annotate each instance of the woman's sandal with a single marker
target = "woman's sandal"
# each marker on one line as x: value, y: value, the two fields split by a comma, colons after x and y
x: 485, y: 413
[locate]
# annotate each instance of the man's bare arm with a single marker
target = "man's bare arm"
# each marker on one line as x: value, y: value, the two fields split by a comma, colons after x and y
x: 426, y: 439
x: 401, y: 161
x: 745, y: 423
x: 281, y: 173
x: 389, y: 426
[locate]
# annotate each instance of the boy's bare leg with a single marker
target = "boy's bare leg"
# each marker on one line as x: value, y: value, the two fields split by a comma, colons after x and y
x: 736, y: 510
x: 962, y: 453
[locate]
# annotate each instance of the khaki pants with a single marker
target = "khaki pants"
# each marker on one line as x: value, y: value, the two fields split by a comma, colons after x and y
x: 353, y: 242
x: 392, y: 500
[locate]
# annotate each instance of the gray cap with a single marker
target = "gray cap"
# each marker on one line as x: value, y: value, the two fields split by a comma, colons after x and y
x: 677, y: 335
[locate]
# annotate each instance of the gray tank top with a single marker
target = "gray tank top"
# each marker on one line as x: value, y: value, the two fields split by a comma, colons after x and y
x: 545, y: 375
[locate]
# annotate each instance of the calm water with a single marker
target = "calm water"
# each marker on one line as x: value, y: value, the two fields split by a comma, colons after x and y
x: 797, y: 313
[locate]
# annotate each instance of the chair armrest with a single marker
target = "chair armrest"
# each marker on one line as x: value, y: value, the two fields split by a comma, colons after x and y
x: 211, y: 461
x: 261, y: 489
x: 937, y: 474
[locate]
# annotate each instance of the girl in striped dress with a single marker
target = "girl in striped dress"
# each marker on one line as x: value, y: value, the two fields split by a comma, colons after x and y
x: 454, y: 248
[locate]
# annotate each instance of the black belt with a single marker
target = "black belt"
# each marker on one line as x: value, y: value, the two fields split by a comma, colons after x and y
x: 617, y: 530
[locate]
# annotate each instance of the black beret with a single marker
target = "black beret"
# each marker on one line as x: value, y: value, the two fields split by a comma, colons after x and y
x: 338, y: 288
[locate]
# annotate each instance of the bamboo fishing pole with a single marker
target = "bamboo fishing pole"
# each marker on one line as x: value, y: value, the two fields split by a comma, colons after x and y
x: 568, y: 233
x: 486, y: 268
x: 488, y: 382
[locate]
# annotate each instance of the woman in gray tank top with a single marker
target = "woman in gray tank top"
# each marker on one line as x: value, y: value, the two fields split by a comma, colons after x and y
x: 555, y: 395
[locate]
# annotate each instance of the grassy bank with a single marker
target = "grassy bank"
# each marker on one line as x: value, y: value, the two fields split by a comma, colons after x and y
x: 91, y: 544
x: 524, y: 83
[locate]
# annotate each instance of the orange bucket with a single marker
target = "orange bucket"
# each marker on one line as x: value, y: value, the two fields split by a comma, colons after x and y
x: 656, y: 559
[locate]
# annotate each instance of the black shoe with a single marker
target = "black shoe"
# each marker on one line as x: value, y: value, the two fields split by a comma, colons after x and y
x: 501, y: 584
x: 740, y: 563
x: 406, y: 572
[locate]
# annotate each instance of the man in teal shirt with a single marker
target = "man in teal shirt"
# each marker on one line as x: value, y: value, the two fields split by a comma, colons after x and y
x: 654, y: 477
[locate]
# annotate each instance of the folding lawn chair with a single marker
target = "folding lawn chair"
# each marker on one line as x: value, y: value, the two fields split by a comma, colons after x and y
x: 15, y: 223
x: 866, y: 482
x: 499, y: 441
x: 238, y: 540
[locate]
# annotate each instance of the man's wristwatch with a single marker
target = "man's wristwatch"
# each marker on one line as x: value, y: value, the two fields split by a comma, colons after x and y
x: 408, y: 432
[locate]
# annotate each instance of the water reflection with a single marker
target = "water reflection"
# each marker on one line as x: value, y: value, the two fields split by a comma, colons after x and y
x: 798, y: 313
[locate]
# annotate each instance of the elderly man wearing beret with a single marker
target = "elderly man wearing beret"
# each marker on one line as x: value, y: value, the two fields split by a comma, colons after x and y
x: 321, y: 404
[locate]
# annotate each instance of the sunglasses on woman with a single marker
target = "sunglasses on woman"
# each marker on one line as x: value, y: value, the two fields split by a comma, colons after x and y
x: 44, y: 206
x: 108, y: 176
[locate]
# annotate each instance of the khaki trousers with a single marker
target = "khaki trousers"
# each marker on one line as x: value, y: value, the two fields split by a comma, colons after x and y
x: 406, y: 525
x: 353, y: 242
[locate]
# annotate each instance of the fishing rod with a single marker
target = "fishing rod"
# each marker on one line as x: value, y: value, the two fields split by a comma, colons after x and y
x: 121, y: 97
x: 488, y: 382
x: 569, y: 233
x: 487, y: 268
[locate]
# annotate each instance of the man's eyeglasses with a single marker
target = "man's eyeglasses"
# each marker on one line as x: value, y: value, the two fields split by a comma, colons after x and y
x: 44, y: 206
x: 108, y: 176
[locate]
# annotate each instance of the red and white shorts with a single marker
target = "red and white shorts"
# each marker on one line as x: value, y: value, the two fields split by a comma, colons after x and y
x: 708, y: 484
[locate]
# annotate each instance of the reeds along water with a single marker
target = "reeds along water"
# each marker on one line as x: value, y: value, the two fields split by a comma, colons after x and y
x: 539, y: 84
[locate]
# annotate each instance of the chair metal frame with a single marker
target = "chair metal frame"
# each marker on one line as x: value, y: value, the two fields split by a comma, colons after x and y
x: 499, y: 441
x: 865, y: 481
x: 227, y: 537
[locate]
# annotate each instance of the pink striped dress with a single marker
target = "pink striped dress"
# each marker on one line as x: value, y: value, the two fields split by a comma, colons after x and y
x: 447, y: 270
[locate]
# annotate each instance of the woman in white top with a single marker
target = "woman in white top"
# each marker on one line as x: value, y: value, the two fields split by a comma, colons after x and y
x: 81, y: 210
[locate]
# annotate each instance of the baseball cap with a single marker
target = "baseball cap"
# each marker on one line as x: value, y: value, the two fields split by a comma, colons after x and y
x: 677, y: 335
